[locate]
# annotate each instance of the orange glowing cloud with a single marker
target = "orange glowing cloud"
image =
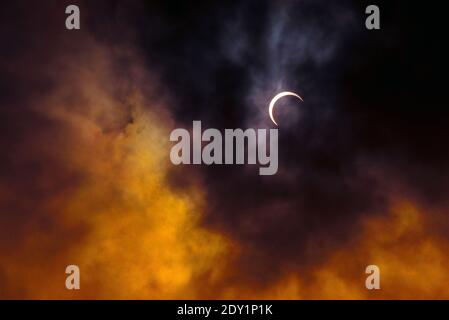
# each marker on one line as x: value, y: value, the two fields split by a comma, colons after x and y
x: 117, y: 219
x: 412, y: 261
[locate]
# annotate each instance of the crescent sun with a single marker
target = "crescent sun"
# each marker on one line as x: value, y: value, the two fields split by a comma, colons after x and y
x: 276, y: 98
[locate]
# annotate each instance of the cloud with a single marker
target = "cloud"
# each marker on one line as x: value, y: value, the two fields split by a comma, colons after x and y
x: 86, y: 177
x: 85, y: 182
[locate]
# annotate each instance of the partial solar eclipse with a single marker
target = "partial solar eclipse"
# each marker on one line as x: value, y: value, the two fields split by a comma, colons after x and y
x: 276, y: 98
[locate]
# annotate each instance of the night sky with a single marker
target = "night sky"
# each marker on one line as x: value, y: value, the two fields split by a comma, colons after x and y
x: 86, y: 179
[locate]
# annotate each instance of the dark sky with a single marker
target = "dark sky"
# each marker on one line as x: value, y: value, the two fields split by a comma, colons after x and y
x: 374, y: 113
x: 373, y: 125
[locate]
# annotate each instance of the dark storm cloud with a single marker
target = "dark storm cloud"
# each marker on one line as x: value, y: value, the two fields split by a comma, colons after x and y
x: 223, y: 62
x: 223, y: 66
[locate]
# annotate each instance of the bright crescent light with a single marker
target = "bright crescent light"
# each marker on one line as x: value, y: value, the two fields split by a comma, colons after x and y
x: 276, y: 98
